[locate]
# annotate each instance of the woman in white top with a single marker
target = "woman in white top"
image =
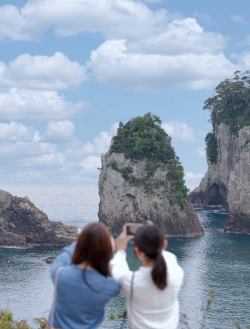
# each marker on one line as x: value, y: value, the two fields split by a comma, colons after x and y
x: 155, y: 285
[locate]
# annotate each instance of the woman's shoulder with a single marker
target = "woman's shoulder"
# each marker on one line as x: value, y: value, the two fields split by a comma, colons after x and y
x: 171, y: 260
x: 112, y: 282
x: 174, y: 269
x: 169, y: 256
x: 112, y: 287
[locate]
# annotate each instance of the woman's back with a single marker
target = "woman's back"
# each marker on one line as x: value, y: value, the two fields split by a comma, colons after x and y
x: 152, y: 291
x: 81, y: 293
x: 151, y: 307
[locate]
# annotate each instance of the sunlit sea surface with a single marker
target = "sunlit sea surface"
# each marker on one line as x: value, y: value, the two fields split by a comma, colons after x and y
x: 217, y: 261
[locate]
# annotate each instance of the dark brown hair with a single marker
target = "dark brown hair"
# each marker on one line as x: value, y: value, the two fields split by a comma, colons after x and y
x: 150, y: 240
x: 94, y: 247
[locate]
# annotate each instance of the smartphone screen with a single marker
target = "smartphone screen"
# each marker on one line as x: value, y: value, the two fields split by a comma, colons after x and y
x: 132, y: 228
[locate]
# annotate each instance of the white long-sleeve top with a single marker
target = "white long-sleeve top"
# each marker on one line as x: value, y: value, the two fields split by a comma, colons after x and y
x: 151, y: 308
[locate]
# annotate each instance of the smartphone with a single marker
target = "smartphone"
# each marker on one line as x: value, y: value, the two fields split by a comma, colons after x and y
x: 132, y: 228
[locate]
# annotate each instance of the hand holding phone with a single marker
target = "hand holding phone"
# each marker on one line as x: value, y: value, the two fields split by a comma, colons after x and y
x: 123, y: 239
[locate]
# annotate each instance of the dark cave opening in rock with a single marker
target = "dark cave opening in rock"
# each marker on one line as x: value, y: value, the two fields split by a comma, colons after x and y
x: 217, y: 195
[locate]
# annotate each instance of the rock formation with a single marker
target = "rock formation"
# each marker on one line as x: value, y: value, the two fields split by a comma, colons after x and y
x: 122, y: 201
x: 49, y: 260
x: 21, y: 223
x: 227, y: 182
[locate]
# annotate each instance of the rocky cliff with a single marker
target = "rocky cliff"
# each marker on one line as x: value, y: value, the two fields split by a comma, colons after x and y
x: 227, y: 182
x: 126, y: 200
x: 21, y: 223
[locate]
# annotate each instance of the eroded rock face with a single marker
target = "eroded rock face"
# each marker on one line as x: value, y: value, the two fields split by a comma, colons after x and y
x: 21, y: 223
x: 122, y: 202
x: 228, y: 182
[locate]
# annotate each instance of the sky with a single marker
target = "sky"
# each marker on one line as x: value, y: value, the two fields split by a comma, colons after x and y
x: 71, y: 70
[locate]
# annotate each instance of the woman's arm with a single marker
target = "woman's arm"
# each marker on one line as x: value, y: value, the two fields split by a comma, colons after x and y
x: 64, y: 259
x: 119, y: 265
x: 120, y: 271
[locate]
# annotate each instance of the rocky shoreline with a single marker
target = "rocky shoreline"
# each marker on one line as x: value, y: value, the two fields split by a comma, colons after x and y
x: 220, y: 207
x: 23, y: 224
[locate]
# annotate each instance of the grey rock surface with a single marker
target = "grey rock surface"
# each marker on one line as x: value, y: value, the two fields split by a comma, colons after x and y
x: 49, y: 260
x: 122, y: 202
x: 21, y: 223
x: 228, y: 182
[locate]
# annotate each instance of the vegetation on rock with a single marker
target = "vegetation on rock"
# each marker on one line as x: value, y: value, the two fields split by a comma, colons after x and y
x: 143, y: 138
x: 231, y: 104
x: 211, y: 143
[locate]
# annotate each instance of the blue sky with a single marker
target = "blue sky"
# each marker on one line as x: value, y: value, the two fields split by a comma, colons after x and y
x: 70, y: 70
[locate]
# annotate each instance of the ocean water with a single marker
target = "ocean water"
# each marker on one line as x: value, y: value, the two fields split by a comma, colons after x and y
x: 217, y: 261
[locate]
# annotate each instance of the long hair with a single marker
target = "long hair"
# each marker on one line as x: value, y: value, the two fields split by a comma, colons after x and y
x: 150, y: 240
x: 94, y: 248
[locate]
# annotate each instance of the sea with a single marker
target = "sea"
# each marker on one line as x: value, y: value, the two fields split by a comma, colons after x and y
x: 218, y: 262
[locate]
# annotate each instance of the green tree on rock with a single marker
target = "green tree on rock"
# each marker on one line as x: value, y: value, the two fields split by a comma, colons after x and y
x: 143, y: 138
x: 230, y: 105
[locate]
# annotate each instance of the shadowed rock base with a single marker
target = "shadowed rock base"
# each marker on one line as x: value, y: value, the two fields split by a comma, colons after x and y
x: 9, y: 239
x: 172, y: 228
x: 214, y: 197
x: 237, y: 223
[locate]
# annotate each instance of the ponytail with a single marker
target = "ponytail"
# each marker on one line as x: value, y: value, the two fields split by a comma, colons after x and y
x: 150, y: 239
x: 159, y: 272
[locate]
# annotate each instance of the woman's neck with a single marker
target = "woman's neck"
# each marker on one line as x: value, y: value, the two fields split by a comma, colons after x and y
x: 147, y: 262
x: 85, y: 266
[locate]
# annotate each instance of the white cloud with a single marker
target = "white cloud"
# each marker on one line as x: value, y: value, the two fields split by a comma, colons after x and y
x: 239, y: 19
x: 243, y: 59
x: 200, y: 152
x: 59, y: 131
x: 192, y: 180
x: 192, y: 175
x: 245, y: 41
x: 29, y: 85
x: 14, y: 131
x: 91, y: 163
x: 20, y: 142
x: 99, y: 145
x: 13, y: 25
x: 42, y: 72
x: 36, y: 104
x: 152, y: 1
x: 113, y: 65
x: 45, y: 161
x: 25, y: 155
x: 111, y: 18
x: 179, y: 131
x: 146, y: 50
x: 22, y: 149
x: 181, y: 36
x: 102, y: 142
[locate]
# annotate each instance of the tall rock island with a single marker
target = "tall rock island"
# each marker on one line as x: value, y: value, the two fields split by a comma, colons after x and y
x: 141, y: 178
x: 21, y: 223
x: 227, y: 181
